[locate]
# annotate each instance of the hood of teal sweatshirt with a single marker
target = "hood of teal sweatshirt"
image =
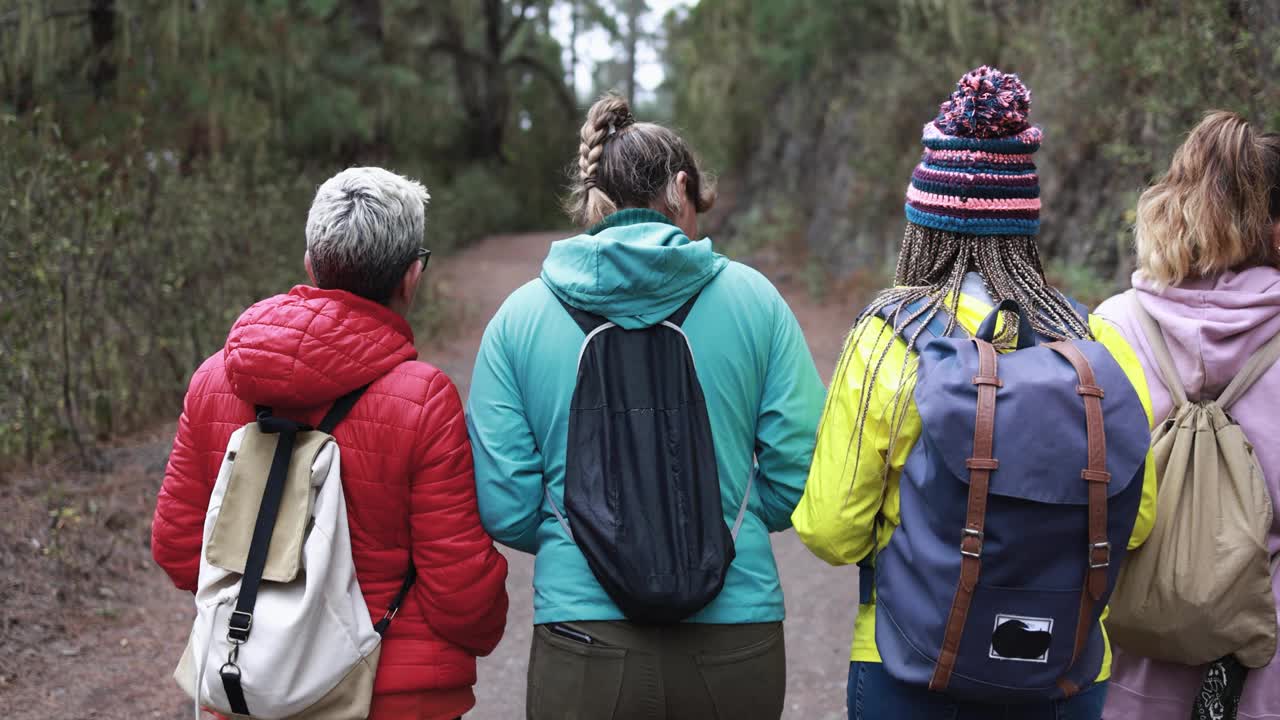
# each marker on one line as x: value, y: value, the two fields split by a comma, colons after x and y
x: 635, y: 268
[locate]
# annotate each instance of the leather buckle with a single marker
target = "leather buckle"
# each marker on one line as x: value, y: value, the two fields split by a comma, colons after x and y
x: 988, y: 380
x: 1093, y: 390
x: 977, y: 535
x: 1101, y: 476
x: 982, y: 463
x: 1094, y: 563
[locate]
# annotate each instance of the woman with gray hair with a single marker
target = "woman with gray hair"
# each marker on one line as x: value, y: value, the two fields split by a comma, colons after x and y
x: 656, y: 594
x: 406, y: 461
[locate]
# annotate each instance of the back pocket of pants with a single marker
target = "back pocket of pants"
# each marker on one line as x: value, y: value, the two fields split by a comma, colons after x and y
x: 747, y: 683
x: 572, y: 680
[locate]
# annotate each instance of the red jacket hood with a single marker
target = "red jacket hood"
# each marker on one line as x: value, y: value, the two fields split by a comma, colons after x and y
x: 311, y: 346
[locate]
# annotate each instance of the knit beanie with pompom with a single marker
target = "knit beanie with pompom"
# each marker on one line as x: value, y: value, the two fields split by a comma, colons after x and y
x: 977, y: 176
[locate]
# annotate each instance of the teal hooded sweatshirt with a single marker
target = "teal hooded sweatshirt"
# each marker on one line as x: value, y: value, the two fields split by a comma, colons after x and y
x: 763, y: 394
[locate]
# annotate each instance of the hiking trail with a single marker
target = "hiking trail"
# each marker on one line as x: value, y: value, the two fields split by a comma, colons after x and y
x: 102, y: 638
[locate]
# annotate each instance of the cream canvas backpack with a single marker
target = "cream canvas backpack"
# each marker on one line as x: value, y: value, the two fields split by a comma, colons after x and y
x: 1200, y: 588
x: 281, y: 628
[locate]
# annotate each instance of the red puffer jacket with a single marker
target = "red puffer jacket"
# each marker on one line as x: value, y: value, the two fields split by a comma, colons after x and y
x: 406, y: 470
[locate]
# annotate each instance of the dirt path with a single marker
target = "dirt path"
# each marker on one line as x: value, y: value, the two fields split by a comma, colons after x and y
x: 113, y: 655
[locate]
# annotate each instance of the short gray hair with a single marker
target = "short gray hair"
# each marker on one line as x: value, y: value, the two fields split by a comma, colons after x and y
x: 365, y: 227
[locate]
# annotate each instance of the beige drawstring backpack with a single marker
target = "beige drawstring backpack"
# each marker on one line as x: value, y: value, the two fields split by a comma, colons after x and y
x: 1200, y: 588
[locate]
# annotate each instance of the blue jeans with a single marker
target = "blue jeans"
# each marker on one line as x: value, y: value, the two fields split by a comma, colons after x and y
x: 876, y: 695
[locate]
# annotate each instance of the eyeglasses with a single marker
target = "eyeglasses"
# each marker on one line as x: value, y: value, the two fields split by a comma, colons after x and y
x: 424, y: 255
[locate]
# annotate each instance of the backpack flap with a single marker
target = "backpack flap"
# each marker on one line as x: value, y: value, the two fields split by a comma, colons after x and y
x: 1039, y: 419
x: 228, y: 546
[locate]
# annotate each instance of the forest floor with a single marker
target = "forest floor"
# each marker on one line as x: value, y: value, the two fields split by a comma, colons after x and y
x: 90, y: 628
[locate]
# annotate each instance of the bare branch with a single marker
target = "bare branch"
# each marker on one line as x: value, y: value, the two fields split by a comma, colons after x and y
x: 553, y: 78
x: 521, y: 18
x: 455, y: 49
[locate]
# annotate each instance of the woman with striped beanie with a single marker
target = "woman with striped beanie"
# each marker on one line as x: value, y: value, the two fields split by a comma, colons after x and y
x: 977, y: 175
x: 973, y: 210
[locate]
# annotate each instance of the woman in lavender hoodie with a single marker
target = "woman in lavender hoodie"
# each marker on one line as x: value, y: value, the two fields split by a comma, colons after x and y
x: 1208, y: 235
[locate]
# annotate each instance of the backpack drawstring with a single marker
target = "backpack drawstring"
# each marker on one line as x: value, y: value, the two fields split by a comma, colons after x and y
x: 203, y: 663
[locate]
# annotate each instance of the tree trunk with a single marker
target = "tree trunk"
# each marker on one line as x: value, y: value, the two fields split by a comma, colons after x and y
x: 102, y: 31
x: 575, y: 29
x: 634, y: 9
x: 368, y: 19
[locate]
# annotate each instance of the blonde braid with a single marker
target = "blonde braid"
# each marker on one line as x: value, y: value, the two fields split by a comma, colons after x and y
x: 608, y: 116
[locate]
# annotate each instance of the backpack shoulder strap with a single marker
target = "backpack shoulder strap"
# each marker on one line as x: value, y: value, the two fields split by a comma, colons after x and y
x: 589, y: 322
x: 338, y: 412
x: 1160, y: 349
x: 930, y: 325
x: 678, y: 317
x: 1257, y: 366
x: 1081, y: 309
x: 405, y: 586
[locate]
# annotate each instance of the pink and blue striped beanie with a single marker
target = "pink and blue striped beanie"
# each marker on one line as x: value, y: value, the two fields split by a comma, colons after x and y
x: 977, y: 176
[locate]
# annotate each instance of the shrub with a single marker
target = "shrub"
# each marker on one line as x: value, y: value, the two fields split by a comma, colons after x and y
x: 120, y: 276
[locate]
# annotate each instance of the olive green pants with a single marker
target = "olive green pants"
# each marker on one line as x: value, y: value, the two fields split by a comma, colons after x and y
x: 622, y: 671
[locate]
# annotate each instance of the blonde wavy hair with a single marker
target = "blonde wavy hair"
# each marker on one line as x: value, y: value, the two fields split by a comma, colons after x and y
x: 1214, y: 209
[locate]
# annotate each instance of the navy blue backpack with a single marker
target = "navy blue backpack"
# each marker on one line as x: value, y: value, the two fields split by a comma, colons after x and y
x: 1016, y: 508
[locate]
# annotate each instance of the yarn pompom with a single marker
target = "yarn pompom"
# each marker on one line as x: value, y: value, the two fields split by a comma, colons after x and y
x: 987, y: 103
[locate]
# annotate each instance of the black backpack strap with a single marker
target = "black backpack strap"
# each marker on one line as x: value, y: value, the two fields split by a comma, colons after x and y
x: 338, y: 412
x: 587, y: 321
x: 382, y: 625
x: 678, y: 317
x: 241, y: 622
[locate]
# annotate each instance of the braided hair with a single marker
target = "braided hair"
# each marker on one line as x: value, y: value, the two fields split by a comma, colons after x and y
x: 931, y: 271
x: 623, y: 164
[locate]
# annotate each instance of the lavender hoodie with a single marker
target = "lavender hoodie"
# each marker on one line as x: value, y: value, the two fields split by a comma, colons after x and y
x: 1212, y: 327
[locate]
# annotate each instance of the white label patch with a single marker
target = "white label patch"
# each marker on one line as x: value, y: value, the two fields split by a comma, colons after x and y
x: 1024, y: 632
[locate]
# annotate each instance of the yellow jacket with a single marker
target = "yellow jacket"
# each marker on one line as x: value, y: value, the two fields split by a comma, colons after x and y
x: 839, y: 523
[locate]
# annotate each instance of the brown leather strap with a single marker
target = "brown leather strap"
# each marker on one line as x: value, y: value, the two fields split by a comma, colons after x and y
x: 1099, y: 550
x: 981, y: 465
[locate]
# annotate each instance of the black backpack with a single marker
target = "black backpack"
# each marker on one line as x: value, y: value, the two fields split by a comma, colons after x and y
x: 641, y: 489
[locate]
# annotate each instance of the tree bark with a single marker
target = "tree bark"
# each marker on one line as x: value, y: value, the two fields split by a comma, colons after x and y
x: 102, y: 31
x: 482, y: 75
x: 634, y: 9
x: 368, y: 19
x: 575, y: 29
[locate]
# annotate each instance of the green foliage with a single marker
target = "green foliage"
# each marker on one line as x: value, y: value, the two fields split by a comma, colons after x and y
x: 763, y: 228
x: 119, y: 278
x: 156, y: 170
x: 731, y: 60
x: 1084, y: 283
x: 1117, y: 84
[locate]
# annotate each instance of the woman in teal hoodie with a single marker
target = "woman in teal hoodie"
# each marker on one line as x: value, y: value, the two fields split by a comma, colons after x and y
x: 640, y: 190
